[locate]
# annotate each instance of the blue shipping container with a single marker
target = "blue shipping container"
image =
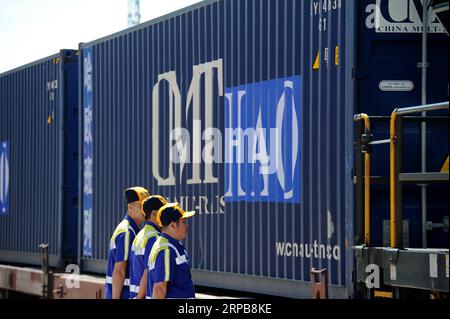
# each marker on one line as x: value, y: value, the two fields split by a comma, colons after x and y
x: 38, y: 160
x: 243, y: 111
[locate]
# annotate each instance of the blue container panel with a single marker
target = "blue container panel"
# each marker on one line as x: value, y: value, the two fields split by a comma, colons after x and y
x: 227, y: 65
x: 32, y: 100
x: 29, y: 98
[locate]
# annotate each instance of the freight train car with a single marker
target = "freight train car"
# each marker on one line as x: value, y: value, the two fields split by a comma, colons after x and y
x: 235, y: 109
x: 243, y: 111
x: 39, y: 160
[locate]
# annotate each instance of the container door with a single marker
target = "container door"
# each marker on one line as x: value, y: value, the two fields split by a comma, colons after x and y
x: 389, y: 76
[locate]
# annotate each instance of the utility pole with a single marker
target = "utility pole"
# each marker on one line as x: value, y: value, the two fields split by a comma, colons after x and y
x: 134, y: 14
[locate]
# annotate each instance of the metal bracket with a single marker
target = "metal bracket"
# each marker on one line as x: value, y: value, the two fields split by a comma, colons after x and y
x: 98, y: 294
x: 423, y: 65
x: 319, y: 286
x: 10, y: 279
x: 380, y: 142
x: 47, y: 275
x: 443, y: 225
x: 60, y: 291
x: 395, y: 140
x: 394, y: 259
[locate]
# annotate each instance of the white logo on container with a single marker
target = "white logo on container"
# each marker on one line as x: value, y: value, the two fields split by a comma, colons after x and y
x: 88, y: 73
x: 401, y: 16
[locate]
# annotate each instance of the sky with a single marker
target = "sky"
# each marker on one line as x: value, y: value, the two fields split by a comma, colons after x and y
x: 34, y: 29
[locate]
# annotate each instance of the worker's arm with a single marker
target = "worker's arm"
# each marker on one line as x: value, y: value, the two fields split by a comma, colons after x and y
x: 142, y: 286
x: 159, y: 290
x: 162, y: 273
x: 118, y: 279
x: 120, y: 267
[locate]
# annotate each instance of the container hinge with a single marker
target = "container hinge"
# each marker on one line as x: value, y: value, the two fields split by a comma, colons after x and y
x: 443, y: 225
x: 423, y: 65
x: 10, y: 280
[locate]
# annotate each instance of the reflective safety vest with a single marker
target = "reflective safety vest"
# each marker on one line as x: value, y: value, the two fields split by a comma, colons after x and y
x: 169, y: 262
x: 140, y: 250
x: 119, y: 248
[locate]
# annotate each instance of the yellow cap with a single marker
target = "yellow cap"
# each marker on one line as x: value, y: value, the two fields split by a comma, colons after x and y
x: 136, y: 194
x: 171, y: 213
x: 154, y: 202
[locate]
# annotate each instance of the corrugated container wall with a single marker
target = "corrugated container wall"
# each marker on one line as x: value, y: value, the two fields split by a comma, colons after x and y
x: 38, y: 104
x: 256, y: 89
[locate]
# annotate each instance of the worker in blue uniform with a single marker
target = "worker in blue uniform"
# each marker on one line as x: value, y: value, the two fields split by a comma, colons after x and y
x: 142, y: 245
x: 169, y: 274
x: 118, y: 272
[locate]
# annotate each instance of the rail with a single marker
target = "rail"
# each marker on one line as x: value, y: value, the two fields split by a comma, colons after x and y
x: 366, y: 142
x: 396, y: 117
x: 367, y: 136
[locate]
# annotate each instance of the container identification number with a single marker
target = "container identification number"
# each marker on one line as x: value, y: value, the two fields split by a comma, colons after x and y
x: 328, y: 5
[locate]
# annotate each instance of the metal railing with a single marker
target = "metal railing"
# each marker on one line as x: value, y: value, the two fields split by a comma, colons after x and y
x: 395, y: 146
x: 367, y: 135
x: 394, y: 177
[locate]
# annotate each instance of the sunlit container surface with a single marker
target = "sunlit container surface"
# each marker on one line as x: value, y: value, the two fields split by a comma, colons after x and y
x: 258, y: 85
x: 38, y: 171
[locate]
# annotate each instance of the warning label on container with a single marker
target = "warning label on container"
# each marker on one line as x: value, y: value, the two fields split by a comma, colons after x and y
x: 444, y: 168
x: 396, y: 86
x: 316, y: 65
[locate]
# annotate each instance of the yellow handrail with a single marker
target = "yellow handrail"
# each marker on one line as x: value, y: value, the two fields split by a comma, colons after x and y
x: 393, y: 175
x: 366, y: 119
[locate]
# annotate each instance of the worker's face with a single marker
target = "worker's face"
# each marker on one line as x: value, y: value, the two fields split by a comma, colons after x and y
x: 180, y: 229
x: 139, y: 214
